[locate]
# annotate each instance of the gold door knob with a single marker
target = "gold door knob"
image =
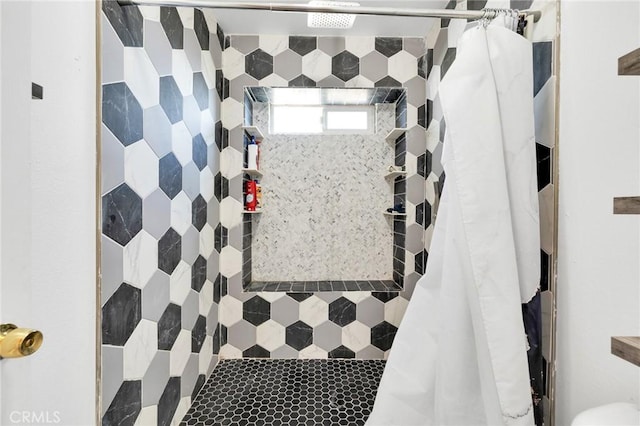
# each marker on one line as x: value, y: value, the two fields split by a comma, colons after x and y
x: 18, y: 342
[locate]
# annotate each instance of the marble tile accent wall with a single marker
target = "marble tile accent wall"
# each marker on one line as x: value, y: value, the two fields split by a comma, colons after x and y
x: 358, y: 324
x: 394, y: 100
x: 160, y: 208
x: 323, y: 201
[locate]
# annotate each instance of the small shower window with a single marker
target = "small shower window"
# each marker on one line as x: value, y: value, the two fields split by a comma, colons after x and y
x: 343, y: 119
x: 348, y: 119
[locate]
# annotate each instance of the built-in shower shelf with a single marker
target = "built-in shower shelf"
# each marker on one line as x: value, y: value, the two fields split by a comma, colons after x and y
x: 394, y: 214
x: 395, y: 134
x: 627, y: 348
x: 395, y: 174
x: 254, y: 131
x: 253, y: 172
x: 252, y: 211
x: 626, y: 205
x: 629, y: 64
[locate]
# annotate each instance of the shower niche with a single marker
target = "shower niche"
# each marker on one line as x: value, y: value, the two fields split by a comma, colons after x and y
x: 333, y: 175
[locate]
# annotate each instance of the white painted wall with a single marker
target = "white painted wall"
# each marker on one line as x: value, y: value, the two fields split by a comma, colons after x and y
x: 599, y: 253
x: 1, y: 169
x: 48, y: 192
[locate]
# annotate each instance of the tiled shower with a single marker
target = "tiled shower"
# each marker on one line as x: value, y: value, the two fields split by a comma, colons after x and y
x: 358, y: 323
x: 176, y: 245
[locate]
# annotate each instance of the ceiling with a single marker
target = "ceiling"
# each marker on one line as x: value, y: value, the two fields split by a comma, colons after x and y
x: 292, y: 23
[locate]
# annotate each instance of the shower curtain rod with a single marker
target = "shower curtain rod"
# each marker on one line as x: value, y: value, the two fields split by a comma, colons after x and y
x: 380, y: 11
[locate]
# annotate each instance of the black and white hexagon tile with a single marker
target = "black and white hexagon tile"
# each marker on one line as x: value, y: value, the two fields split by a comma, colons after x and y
x: 287, y: 392
x: 160, y: 157
x: 358, y: 324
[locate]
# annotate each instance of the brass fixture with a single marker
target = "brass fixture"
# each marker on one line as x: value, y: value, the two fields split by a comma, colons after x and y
x: 18, y: 342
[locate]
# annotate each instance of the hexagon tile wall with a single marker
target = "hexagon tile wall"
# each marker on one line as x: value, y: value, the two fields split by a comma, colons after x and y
x: 350, y: 324
x: 160, y: 208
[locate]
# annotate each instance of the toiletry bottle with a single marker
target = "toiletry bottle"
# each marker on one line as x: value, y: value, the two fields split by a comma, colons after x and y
x: 259, y: 155
x: 258, y: 195
x: 250, y: 197
x: 252, y: 154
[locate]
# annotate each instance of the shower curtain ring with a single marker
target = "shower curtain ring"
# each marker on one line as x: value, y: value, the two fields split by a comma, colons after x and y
x: 489, y: 14
x: 515, y: 18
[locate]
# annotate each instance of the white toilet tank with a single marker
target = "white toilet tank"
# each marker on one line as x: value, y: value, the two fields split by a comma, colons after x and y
x: 616, y: 414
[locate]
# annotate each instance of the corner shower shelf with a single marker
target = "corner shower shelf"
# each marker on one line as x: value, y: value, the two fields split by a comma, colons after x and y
x: 629, y: 64
x: 254, y: 131
x: 394, y: 214
x: 252, y: 211
x: 395, y: 134
x: 253, y: 172
x: 395, y: 174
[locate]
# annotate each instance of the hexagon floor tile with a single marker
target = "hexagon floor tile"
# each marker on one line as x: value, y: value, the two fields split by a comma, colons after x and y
x: 279, y: 392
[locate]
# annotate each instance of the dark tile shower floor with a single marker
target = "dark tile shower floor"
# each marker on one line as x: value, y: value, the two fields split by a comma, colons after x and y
x: 288, y: 392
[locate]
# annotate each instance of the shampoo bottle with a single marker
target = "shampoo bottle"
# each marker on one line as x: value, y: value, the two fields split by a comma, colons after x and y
x: 252, y: 154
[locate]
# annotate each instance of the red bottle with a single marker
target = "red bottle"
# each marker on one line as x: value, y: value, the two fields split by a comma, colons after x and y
x: 250, y: 198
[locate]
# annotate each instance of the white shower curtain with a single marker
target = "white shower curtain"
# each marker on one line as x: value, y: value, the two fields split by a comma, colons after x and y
x: 459, y: 357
